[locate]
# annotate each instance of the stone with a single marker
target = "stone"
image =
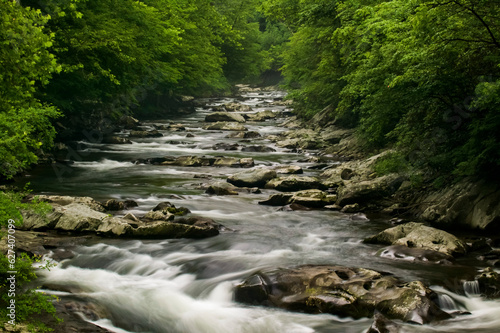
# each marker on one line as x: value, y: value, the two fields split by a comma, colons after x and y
x: 308, y: 198
x: 225, y: 126
x: 77, y: 217
x: 468, y: 204
x: 341, y: 291
x: 112, y: 226
x: 289, y: 169
x: 114, y: 205
x: 159, y: 216
x: 369, y: 190
x: 383, y: 325
x: 415, y: 254
x: 145, y: 134
x: 115, y: 139
x: 417, y: 235
x: 489, y: 283
x: 221, y: 188
x: 225, y: 146
x: 253, y: 178
x: 237, y: 107
x: 262, y: 116
x: 258, y: 149
x: 354, y: 208
x: 224, y: 116
x: 66, y: 200
x: 244, y: 135
x: 129, y: 122
x: 293, y: 183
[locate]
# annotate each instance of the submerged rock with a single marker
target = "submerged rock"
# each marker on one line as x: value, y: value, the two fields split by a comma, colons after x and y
x: 342, y: 291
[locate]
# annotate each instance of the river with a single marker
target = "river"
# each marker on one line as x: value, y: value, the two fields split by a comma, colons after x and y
x: 186, y: 285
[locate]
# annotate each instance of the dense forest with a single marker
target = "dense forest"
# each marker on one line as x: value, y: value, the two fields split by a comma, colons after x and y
x: 421, y: 77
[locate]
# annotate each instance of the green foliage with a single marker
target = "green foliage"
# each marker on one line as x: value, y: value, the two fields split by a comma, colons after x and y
x: 26, y: 63
x: 28, y: 302
x: 421, y: 75
x: 391, y: 163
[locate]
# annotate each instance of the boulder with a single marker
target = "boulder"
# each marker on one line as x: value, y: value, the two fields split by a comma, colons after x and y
x: 76, y: 217
x: 262, y: 115
x: 115, y: 139
x: 66, y: 200
x: 354, y: 208
x: 307, y: 198
x: 145, y: 134
x: 367, y: 191
x: 244, y: 135
x: 159, y: 216
x: 225, y: 126
x: 237, y: 107
x: 112, y: 226
x: 258, y: 149
x: 161, y: 229
x: 417, y: 235
x: 224, y: 116
x: 128, y: 122
x: 489, y: 283
x: 470, y: 204
x: 383, y: 325
x: 190, y: 161
x: 233, y: 162
x: 224, y: 188
x: 113, y: 205
x: 225, y: 146
x: 341, y: 291
x: 293, y: 183
x: 253, y: 178
x: 289, y: 169
x: 415, y: 254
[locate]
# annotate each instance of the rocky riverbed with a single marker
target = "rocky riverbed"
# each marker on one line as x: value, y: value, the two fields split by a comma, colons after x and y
x: 176, y: 225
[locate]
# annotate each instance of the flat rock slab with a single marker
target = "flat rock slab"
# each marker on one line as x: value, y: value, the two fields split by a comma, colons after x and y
x: 342, y: 291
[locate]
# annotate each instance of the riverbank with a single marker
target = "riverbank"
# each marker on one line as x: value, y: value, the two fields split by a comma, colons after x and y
x: 299, y: 203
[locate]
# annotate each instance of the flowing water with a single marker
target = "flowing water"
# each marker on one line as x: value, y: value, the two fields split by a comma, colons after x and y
x: 185, y: 285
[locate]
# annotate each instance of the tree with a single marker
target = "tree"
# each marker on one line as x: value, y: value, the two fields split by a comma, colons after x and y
x: 26, y: 64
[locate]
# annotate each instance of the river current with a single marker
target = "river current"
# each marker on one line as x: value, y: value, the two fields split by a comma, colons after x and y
x: 186, y: 285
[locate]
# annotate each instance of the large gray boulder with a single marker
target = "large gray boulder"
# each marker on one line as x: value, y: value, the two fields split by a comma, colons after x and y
x: 471, y: 204
x: 369, y: 190
x: 224, y: 116
x: 341, y: 291
x: 253, y: 178
x: 293, y: 183
x: 417, y: 235
x: 64, y: 200
x: 308, y: 198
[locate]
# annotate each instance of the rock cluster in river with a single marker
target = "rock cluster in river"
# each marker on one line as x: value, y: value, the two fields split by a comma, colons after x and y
x: 83, y: 215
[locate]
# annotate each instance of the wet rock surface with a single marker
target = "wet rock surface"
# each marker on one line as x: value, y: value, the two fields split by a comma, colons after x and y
x: 342, y: 291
